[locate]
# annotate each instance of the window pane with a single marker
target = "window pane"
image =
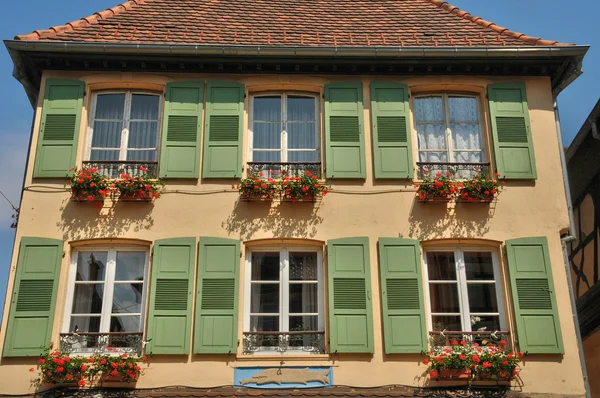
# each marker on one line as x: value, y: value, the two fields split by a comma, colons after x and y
x: 264, y: 298
x: 301, y: 136
x: 91, y: 266
x: 449, y: 323
x: 127, y: 298
x: 479, y: 266
x: 485, y: 323
x: 429, y: 109
x: 303, y: 266
x: 264, y: 323
x: 441, y: 266
x: 104, y: 155
x: 431, y: 136
x: 87, y: 298
x: 430, y: 157
x: 143, y: 135
x: 144, y: 106
x: 269, y: 156
x: 467, y: 157
x: 304, y: 298
x: 130, y: 266
x: 444, y: 297
x: 266, y: 136
x: 463, y: 109
x: 110, y: 106
x: 265, y: 266
x: 482, y: 297
x: 142, y: 156
x: 465, y: 136
x: 301, y: 108
x: 107, y: 134
x: 306, y: 322
x: 125, y: 324
x: 267, y: 108
x: 84, y: 324
x: 303, y: 156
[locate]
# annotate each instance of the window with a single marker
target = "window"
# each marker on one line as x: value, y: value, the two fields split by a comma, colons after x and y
x: 125, y: 127
x: 107, y: 291
x: 284, y: 128
x: 284, y: 293
x: 465, y: 292
x: 449, y: 129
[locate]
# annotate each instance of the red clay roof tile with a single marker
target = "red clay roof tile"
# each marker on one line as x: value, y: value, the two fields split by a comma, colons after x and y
x: 402, y: 23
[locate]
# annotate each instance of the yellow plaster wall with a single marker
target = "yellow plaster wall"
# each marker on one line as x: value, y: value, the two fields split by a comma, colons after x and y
x: 353, y: 208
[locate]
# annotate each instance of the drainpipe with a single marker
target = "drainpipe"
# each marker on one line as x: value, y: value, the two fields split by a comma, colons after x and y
x: 564, y: 240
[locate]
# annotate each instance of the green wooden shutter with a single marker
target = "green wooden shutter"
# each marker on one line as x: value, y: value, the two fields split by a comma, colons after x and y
x: 534, y: 298
x: 344, y: 131
x: 224, y: 130
x: 390, y: 117
x: 182, y: 127
x: 349, y: 286
x: 34, y: 297
x: 172, y: 284
x: 402, y: 296
x: 59, y: 128
x: 215, y: 329
x: 513, y: 147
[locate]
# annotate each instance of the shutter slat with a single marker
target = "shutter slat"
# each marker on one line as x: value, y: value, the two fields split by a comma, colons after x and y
x: 215, y: 328
x: 182, y: 127
x: 402, y: 301
x: 390, y: 115
x: 170, y: 308
x: 344, y: 136
x: 223, y: 130
x: 511, y: 130
x: 32, y: 308
x: 536, y: 313
x: 350, y: 307
x: 59, y: 128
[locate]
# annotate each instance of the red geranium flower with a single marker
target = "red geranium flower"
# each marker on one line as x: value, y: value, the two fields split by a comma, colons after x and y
x: 433, y: 374
x: 426, y: 361
x: 81, y: 383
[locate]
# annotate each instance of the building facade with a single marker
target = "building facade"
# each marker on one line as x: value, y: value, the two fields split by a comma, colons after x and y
x: 355, y: 286
x: 583, y: 170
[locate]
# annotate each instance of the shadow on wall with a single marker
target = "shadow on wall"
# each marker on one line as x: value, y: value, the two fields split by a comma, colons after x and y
x: 439, y: 220
x: 285, y: 220
x: 113, y: 219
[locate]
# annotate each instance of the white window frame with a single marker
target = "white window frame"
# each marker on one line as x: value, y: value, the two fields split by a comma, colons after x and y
x: 462, y: 283
x: 284, y: 150
x: 109, y: 282
x: 284, y: 283
x: 448, y: 131
x: 126, y: 121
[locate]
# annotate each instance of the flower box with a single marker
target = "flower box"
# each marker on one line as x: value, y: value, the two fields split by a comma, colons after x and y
x: 108, y: 378
x: 454, y: 374
x: 147, y: 196
x: 469, y: 199
x: 493, y: 377
x: 80, y: 195
x: 434, y: 199
x: 265, y: 195
x: 303, y: 199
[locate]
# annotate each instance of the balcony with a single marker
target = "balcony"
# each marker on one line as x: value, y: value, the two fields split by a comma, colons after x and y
x: 312, y: 342
x: 277, y: 169
x: 114, y: 169
x: 444, y: 339
x: 82, y: 343
x: 456, y: 170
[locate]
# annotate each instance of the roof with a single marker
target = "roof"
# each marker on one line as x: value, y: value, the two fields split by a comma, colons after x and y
x: 314, y: 23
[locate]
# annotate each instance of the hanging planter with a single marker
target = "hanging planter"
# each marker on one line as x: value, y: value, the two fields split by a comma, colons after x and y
x: 480, y: 189
x: 141, y: 187
x: 87, y: 185
x: 304, y: 187
x: 455, y: 374
x: 132, y: 377
x: 255, y: 189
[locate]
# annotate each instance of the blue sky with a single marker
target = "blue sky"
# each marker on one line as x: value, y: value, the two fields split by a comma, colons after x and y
x: 568, y: 22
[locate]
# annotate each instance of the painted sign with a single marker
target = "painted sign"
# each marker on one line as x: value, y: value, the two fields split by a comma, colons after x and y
x: 284, y: 377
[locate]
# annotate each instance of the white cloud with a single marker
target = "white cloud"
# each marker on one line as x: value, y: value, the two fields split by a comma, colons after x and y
x: 13, y: 152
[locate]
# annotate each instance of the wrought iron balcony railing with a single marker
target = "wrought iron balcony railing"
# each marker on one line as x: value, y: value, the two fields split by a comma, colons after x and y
x: 131, y: 343
x: 277, y: 169
x: 114, y: 169
x: 456, y: 170
x: 446, y: 338
x: 305, y: 341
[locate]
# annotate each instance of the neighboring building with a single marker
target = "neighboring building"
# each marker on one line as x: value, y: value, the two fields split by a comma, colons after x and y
x: 583, y: 164
x: 367, y: 95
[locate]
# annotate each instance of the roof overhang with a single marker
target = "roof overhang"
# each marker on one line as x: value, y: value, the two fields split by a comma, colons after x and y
x: 561, y: 63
